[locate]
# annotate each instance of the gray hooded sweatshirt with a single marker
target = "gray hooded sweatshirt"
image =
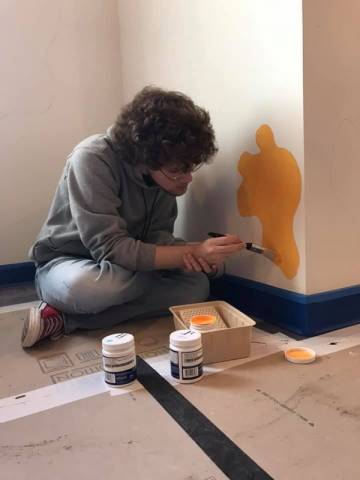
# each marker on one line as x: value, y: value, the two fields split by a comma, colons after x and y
x: 104, y: 209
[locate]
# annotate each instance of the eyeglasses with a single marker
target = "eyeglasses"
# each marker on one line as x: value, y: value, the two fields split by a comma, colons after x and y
x: 181, y: 172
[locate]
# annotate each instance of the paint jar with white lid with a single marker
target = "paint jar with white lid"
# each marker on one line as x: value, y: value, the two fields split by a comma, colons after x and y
x: 186, y: 356
x: 203, y: 323
x: 119, y: 359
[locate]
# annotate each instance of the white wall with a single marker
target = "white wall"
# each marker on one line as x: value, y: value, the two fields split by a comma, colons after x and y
x: 61, y: 64
x: 60, y: 81
x: 242, y: 60
x: 332, y: 143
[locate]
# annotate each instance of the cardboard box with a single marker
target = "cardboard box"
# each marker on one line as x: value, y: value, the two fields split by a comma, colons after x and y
x: 219, y: 345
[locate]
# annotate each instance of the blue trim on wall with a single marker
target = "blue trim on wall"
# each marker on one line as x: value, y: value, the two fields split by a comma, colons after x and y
x: 306, y: 315
x: 17, y: 273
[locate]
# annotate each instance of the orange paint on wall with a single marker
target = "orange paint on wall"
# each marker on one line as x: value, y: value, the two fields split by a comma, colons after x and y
x: 271, y: 191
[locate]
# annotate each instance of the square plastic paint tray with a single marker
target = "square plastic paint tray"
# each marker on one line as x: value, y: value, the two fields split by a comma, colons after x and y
x: 221, y: 344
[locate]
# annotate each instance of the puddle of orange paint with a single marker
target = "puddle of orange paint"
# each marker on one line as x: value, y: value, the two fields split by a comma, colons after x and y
x: 271, y: 191
x: 299, y: 354
x: 203, y: 319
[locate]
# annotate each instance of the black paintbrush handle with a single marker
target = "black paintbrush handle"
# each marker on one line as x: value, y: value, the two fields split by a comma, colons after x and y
x: 248, y: 245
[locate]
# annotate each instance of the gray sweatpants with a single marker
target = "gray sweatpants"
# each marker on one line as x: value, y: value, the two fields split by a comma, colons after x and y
x: 93, y: 295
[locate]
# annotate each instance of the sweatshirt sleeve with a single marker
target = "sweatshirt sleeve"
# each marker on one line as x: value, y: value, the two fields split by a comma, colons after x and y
x: 95, y: 204
x: 162, y: 227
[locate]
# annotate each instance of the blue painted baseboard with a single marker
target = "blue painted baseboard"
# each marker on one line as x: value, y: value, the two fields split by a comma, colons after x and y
x: 17, y: 273
x: 306, y: 315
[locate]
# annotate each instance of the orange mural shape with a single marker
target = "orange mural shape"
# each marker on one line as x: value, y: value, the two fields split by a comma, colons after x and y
x: 271, y: 191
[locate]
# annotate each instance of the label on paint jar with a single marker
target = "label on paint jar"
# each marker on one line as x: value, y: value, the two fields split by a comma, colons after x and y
x: 120, y: 378
x: 180, y: 370
x: 186, y: 356
x: 118, y: 364
x: 189, y: 364
x: 119, y: 359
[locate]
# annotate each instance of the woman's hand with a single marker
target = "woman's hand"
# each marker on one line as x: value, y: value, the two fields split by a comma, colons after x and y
x: 207, y: 255
x: 193, y: 264
x: 214, y: 251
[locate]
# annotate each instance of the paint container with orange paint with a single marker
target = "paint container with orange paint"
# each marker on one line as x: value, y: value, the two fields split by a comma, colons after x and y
x: 300, y: 355
x: 186, y: 356
x: 203, y: 323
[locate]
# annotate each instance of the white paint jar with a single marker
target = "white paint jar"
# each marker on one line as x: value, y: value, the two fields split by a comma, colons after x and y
x: 186, y: 356
x: 119, y: 359
x: 203, y: 323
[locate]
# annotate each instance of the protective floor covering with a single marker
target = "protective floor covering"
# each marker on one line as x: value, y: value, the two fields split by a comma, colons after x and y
x: 70, y: 357
x: 294, y: 421
x: 126, y: 437
x: 79, y: 354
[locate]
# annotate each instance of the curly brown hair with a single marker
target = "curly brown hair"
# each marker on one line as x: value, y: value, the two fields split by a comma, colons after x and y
x: 162, y: 127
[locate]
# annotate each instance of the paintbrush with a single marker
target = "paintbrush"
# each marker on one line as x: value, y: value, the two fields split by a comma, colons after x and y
x: 253, y: 247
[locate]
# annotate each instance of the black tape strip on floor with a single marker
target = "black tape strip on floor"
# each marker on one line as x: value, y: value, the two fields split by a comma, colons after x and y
x: 218, y: 447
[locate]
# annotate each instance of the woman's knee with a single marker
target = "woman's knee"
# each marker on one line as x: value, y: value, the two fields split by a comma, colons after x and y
x: 76, y: 293
x: 91, y: 289
x: 93, y: 293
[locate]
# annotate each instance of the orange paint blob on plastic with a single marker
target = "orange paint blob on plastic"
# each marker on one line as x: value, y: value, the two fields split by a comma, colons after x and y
x: 271, y: 191
x: 298, y: 354
x: 203, y: 319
